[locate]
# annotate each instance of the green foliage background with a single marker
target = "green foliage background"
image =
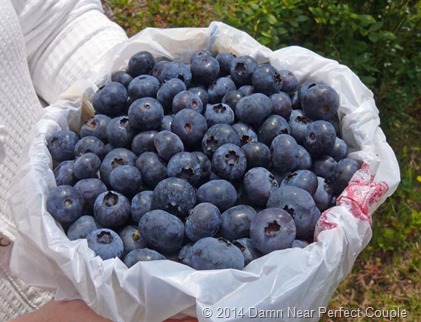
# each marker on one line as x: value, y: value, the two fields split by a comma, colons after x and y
x: 380, y: 40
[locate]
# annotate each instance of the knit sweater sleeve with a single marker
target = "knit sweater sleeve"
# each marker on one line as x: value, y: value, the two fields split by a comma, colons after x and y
x: 63, y: 40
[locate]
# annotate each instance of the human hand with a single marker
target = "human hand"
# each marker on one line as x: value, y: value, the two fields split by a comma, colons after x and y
x: 72, y: 311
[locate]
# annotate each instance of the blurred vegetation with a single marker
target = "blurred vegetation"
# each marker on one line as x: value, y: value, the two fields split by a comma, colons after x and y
x: 380, y: 40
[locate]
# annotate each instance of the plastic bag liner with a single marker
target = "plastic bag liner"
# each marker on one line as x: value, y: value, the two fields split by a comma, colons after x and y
x: 274, y: 287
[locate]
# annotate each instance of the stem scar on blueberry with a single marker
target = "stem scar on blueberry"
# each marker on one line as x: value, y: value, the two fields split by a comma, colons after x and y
x: 289, y: 210
x: 67, y: 203
x: 147, y: 106
x: 188, y: 127
x: 240, y: 68
x: 116, y: 162
x: 110, y: 199
x: 104, y: 237
x: 231, y: 157
x: 272, y: 228
x: 219, y: 108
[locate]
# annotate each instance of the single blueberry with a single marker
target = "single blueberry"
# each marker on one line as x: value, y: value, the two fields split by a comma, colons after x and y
x: 218, y: 135
x: 140, y: 63
x: 254, y: 108
x: 219, y: 88
x: 242, y: 69
x: 110, y: 100
x: 143, y: 142
x: 284, y: 150
x: 219, y: 113
x: 141, y: 204
x: 175, y: 70
x: 304, y: 179
x: 236, y: 221
x: 64, y: 174
x: 90, y: 144
x: 225, y: 61
x: 320, y: 138
x: 204, y: 70
x: 258, y: 184
x: 186, y: 166
x: 257, y: 154
x: 62, y: 145
x: 131, y: 239
x: 203, y: 221
x: 231, y: 98
x: 146, y: 114
x: 246, y: 133
x: 324, y: 166
x: 152, y: 168
x: 162, y: 231
x: 167, y: 144
x: 112, y: 209
x: 65, y: 204
x: 175, y: 196
x: 272, y: 229
x: 282, y: 105
x: 121, y: 77
x: 324, y: 193
x: 143, y: 86
x: 187, y: 99
x: 320, y: 102
x: 142, y: 255
x: 87, y: 166
x: 126, y: 179
x: 289, y: 81
x: 266, y: 80
x: 344, y: 171
x: 120, y: 132
x: 106, y: 243
x: 201, y: 92
x: 219, y: 192
x: 81, y: 227
x: 271, y: 127
x: 190, y: 126
x: 90, y: 189
x: 229, y: 162
x: 96, y: 126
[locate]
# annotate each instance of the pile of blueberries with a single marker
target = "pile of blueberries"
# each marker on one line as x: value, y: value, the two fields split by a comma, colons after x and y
x: 212, y: 164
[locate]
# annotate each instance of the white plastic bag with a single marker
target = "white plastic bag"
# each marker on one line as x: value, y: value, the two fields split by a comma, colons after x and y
x: 276, y: 285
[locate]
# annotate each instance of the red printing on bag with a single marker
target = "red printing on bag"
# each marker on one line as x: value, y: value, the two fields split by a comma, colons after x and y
x: 358, y: 196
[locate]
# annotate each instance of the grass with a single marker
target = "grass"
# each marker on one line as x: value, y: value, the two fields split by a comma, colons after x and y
x: 386, y: 275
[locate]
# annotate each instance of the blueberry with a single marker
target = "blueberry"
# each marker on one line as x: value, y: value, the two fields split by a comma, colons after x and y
x: 246, y: 246
x: 175, y: 196
x: 225, y: 61
x: 190, y: 126
x: 324, y: 193
x: 90, y: 144
x: 184, y: 251
x: 141, y: 204
x: 320, y: 138
x: 202, y: 93
x: 303, y: 88
x: 289, y: 81
x: 143, y: 86
x: 257, y: 154
x: 220, y: 192
x: 299, y: 243
x: 152, y: 168
x: 246, y: 90
x: 282, y: 105
x: 298, y: 124
x: 218, y: 135
x: 242, y: 69
x: 258, y: 184
x: 81, y: 227
x: 87, y: 166
x: 186, y: 166
x: 140, y: 63
x: 168, y: 91
x: 272, y: 229
x: 299, y: 204
x: 324, y: 166
x: 157, y: 68
x: 214, y: 253
x: 64, y: 174
x: 120, y: 132
x: 105, y: 243
x: 96, y: 126
x: 203, y: 221
x: 284, y: 150
x: 175, y: 70
x: 146, y: 114
x: 229, y: 162
x: 113, y: 159
x: 168, y: 144
x: 231, y: 98
x: 304, y: 179
x: 344, y: 171
x: 187, y: 99
x: 204, y: 70
x: 295, y: 102
x: 253, y: 108
x: 90, y: 189
x: 166, y: 122
x: 236, y: 221
x: 126, y: 179
x: 62, y: 145
x: 272, y: 126
x: 220, y: 87
x: 320, y: 102
x: 142, y: 255
x: 162, y: 231
x: 266, y: 80
x: 246, y: 133
x: 131, y: 239
x: 339, y: 150
x: 143, y: 142
x: 304, y: 159
x: 205, y: 166
x: 219, y: 113
x: 65, y: 204
x: 110, y: 100
x: 112, y: 209
x: 200, y: 54
x: 121, y: 77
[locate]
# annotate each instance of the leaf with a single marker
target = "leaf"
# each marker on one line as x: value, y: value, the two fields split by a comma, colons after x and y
x: 376, y: 26
x: 387, y: 35
x: 272, y: 19
x: 373, y: 37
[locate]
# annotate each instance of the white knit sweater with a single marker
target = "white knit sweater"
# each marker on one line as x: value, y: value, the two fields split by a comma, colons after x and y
x: 45, y: 45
